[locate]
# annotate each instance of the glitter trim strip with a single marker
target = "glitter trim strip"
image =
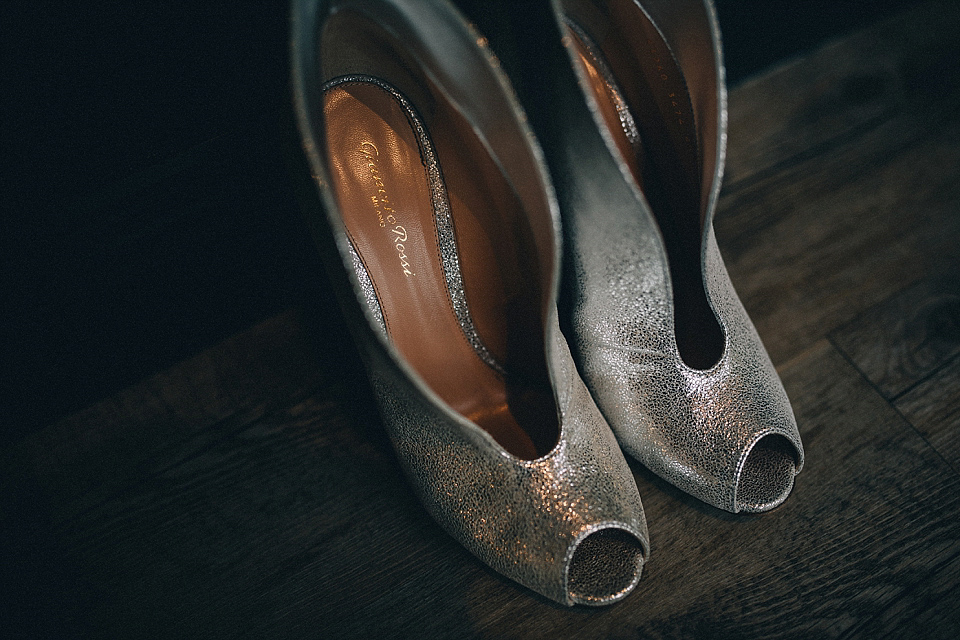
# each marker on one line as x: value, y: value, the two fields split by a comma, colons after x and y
x: 627, y: 123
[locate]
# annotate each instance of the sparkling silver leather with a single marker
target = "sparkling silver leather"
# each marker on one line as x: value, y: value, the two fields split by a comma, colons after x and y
x: 525, y: 518
x: 366, y: 287
x: 696, y: 429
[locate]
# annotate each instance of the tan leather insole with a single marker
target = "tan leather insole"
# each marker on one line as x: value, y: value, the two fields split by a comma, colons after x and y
x: 665, y: 162
x: 381, y: 182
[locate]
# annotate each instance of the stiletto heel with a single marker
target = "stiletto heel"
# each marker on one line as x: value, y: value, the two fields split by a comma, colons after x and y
x: 442, y: 231
x: 663, y: 342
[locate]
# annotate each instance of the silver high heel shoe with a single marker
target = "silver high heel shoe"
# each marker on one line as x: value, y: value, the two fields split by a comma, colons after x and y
x: 442, y: 232
x: 663, y: 342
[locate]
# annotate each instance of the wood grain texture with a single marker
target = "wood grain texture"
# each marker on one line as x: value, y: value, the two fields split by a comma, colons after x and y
x: 102, y: 447
x: 848, y: 87
x: 814, y: 240
x: 299, y: 524
x: 933, y: 407
x: 905, y: 339
x: 250, y: 492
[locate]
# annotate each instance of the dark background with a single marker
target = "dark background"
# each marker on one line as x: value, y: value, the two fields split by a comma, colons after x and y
x: 147, y: 201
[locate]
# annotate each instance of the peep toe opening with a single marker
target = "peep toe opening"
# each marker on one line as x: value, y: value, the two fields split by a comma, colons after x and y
x: 766, y: 478
x: 605, y: 567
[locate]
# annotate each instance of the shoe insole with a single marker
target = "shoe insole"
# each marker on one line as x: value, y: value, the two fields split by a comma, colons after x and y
x: 381, y: 179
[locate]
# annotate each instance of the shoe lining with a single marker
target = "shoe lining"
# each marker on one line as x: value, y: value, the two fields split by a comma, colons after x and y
x: 382, y: 183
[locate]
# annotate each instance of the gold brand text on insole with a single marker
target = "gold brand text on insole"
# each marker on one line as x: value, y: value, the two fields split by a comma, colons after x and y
x: 385, y: 213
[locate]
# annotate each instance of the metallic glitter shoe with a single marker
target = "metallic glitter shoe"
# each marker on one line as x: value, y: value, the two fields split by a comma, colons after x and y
x: 661, y: 337
x: 441, y: 232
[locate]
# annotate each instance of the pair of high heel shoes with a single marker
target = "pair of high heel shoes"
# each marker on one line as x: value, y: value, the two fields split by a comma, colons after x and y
x: 442, y: 228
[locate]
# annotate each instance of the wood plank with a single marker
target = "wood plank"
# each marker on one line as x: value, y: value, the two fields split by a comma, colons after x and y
x: 840, y: 235
x: 98, y: 449
x: 847, y: 87
x: 812, y: 243
x: 905, y: 339
x: 933, y: 407
x: 300, y: 518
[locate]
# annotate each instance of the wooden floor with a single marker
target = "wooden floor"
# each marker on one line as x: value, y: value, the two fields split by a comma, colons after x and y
x: 250, y: 491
